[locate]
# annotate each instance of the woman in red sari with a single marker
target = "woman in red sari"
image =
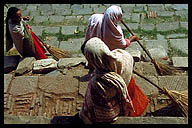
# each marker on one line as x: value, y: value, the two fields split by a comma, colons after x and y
x: 19, y: 33
x: 111, y: 91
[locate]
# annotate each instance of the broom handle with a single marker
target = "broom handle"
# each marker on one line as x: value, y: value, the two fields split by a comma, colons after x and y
x: 148, y: 81
x: 147, y: 52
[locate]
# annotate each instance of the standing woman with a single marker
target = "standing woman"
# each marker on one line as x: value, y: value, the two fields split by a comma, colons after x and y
x: 105, y: 26
x: 111, y: 90
x: 19, y: 33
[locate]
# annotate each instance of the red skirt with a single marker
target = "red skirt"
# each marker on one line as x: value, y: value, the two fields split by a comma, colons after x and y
x: 39, y: 49
x: 139, y: 99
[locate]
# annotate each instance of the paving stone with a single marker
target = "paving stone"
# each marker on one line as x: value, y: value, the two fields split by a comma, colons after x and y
x: 44, y: 65
x: 165, y: 13
x: 63, y: 12
x: 172, y: 36
x: 65, y: 85
x: 135, y: 17
x: 83, y: 11
x: 155, y: 43
x: 7, y: 81
x: 184, y: 25
x: 40, y: 19
x: 145, y: 86
x: 132, y: 26
x: 99, y: 10
x: 37, y: 30
x: 167, y: 26
x: 160, y: 37
x: 26, y: 119
x: 54, y: 73
x: 70, y: 62
x: 147, y: 27
x: 10, y: 63
x: 25, y: 65
x: 158, y: 53
x: 136, y: 54
x: 68, y: 30
x: 126, y: 15
x: 138, y: 9
x: 61, y: 6
x: 157, y: 7
x: 180, y: 61
x: 136, y: 46
x: 127, y: 5
x: 95, y: 5
x: 52, y: 41
x: 181, y: 6
x: 151, y: 120
x: 178, y: 83
x: 52, y: 30
x: 31, y: 8
x: 183, y: 14
x: 56, y: 19
x: 76, y: 6
x: 73, y: 45
x: 22, y: 85
x: 181, y: 44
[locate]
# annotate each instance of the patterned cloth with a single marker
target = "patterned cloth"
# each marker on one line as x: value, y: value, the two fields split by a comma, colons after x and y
x: 105, y: 27
x: 107, y: 89
x: 26, y: 43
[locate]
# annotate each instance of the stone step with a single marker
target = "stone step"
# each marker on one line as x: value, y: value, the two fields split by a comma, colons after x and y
x: 8, y: 119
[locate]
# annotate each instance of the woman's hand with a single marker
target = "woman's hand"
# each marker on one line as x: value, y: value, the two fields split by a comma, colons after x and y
x: 26, y: 18
x: 134, y: 38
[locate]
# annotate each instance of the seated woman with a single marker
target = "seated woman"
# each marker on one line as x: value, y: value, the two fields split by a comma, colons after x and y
x: 19, y: 33
x: 105, y: 27
x: 111, y: 90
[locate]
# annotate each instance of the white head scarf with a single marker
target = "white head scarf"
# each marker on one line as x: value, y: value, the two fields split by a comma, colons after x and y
x: 105, y: 27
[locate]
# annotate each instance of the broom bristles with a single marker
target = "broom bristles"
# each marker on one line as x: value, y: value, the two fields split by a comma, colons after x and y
x: 58, y: 53
x: 180, y: 99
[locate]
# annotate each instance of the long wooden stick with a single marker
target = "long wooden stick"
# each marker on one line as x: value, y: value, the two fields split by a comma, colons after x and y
x: 147, y: 52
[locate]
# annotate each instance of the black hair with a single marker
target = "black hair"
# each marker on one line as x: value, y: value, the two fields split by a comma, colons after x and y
x: 11, y: 14
x: 83, y: 46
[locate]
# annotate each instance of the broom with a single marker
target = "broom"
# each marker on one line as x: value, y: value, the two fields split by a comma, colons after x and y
x: 162, y: 69
x: 178, y: 98
x: 55, y: 52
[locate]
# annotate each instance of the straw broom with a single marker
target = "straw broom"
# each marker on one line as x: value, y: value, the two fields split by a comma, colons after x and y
x: 179, y: 99
x: 162, y: 69
x: 55, y: 52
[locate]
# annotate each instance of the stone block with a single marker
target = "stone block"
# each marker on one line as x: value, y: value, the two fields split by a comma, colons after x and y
x: 52, y: 41
x: 66, y: 85
x: 165, y: 13
x: 126, y: 16
x: 156, y: 7
x: 180, y: 61
x: 178, y: 83
x: 25, y: 65
x: 68, y: 30
x: 145, y: 86
x: 22, y: 85
x: 158, y: 53
x: 173, y: 36
x: 135, y: 17
x: 44, y: 65
x: 83, y: 11
x: 99, y: 10
x: 73, y: 45
x: 56, y: 19
x: 136, y: 54
x: 70, y: 62
x: 184, y: 25
x: 180, y: 44
x: 147, y: 27
x: 162, y: 27
x: 52, y: 30
x: 10, y: 63
x: 180, y: 6
x: 31, y: 8
x: 151, y: 120
x: 76, y: 6
x: 63, y: 12
x: 40, y: 19
x: 160, y: 37
x: 37, y: 29
x: 183, y: 14
x: 155, y: 43
x: 7, y: 82
x: 138, y: 9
